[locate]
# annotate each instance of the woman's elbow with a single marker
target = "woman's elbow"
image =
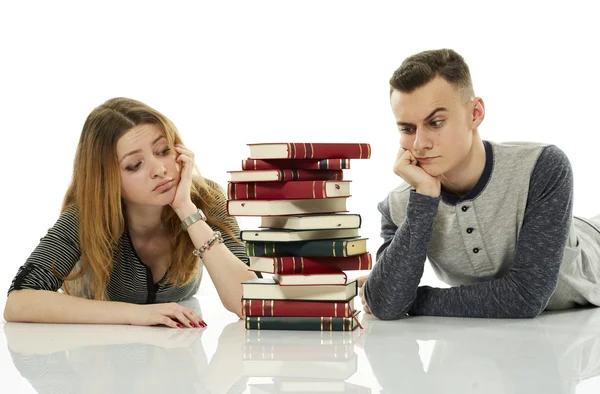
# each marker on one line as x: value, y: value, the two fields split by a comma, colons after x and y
x: 10, y: 309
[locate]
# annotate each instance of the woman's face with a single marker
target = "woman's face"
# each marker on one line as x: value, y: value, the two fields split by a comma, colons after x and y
x: 149, y: 172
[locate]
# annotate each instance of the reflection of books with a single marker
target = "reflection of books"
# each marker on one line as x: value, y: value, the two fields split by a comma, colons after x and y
x: 337, y: 369
x: 299, y: 338
x: 330, y: 352
x: 308, y: 386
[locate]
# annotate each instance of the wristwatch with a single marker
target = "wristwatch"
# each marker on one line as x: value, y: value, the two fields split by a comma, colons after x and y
x: 193, y: 218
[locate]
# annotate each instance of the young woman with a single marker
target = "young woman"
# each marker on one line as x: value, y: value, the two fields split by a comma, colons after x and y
x: 136, y: 229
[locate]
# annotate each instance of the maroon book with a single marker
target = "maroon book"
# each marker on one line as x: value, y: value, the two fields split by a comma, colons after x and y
x: 291, y: 265
x: 287, y: 190
x: 310, y: 164
x: 307, y: 150
x: 254, y: 307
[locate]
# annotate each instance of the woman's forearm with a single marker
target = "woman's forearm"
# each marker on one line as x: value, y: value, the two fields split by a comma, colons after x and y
x: 43, y: 306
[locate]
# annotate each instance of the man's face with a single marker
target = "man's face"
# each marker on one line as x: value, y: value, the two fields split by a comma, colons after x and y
x: 436, y: 123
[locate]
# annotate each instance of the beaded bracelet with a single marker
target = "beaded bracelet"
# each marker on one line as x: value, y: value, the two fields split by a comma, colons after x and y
x: 215, y: 238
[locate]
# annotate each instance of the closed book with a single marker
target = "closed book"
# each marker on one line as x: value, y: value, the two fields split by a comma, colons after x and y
x: 313, y: 386
x: 302, y: 150
x: 287, y: 190
x: 269, y: 289
x: 331, y: 278
x: 310, y: 265
x: 312, y: 222
x: 312, y: 164
x: 304, y: 323
x: 325, y: 247
x: 285, y: 175
x: 275, y: 235
x: 285, y: 207
x: 254, y: 307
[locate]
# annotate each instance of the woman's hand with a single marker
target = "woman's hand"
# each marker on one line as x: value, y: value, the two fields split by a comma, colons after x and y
x: 185, y: 165
x: 407, y: 167
x: 169, y: 314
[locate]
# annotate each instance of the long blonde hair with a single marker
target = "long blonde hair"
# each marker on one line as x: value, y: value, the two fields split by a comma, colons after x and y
x: 95, y: 191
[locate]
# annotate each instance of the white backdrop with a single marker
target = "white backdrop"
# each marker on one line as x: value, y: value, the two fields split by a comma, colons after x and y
x: 243, y: 72
x: 231, y: 73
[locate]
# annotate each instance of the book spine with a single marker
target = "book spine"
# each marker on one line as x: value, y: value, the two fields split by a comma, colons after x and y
x: 276, y: 164
x: 325, y: 248
x: 277, y: 190
x: 289, y: 265
x: 328, y: 151
x: 306, y: 323
x: 310, y: 175
x: 255, y: 307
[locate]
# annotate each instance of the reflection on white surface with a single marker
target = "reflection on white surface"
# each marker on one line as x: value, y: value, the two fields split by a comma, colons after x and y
x: 554, y: 353
x: 549, y: 354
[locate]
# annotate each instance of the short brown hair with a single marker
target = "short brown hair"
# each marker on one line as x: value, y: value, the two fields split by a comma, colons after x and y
x: 419, y: 69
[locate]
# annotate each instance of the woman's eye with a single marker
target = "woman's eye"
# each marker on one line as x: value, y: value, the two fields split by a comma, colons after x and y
x: 166, y: 151
x: 134, y: 167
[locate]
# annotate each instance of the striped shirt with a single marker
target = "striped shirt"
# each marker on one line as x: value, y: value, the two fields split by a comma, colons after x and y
x: 130, y: 279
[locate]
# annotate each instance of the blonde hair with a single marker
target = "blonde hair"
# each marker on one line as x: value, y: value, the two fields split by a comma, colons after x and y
x: 95, y: 191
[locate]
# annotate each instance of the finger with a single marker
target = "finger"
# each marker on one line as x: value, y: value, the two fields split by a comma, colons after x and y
x: 361, y: 280
x: 183, y: 150
x: 191, y: 315
x: 184, y: 320
x: 167, y: 321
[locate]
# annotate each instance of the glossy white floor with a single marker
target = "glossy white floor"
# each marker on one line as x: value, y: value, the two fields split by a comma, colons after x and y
x: 554, y: 353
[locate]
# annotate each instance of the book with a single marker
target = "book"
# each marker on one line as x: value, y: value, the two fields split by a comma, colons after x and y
x: 285, y: 175
x: 275, y: 235
x: 331, y: 278
x: 302, y: 150
x: 310, y: 265
x: 304, y: 323
x: 253, y: 307
x: 285, y: 207
x: 287, y: 190
x: 269, y: 289
x: 309, y: 164
x: 312, y: 222
x: 324, y: 247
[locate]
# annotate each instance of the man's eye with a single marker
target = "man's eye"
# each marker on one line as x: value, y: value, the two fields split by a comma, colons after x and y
x: 437, y: 123
x: 406, y: 130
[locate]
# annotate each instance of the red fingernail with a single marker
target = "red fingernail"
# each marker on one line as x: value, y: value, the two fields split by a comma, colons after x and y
x: 178, y: 325
x: 192, y: 324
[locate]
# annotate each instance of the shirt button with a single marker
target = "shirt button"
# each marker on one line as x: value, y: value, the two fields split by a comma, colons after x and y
x: 476, y: 250
x: 465, y: 208
x: 470, y: 230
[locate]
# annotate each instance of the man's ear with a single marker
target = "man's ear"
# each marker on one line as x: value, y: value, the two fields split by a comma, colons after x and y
x: 478, y: 112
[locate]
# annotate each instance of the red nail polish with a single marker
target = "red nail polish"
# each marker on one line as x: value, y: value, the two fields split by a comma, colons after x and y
x: 192, y: 324
x: 178, y: 325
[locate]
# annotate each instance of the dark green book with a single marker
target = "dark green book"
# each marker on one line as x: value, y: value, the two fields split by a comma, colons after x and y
x: 324, y: 247
x: 305, y: 323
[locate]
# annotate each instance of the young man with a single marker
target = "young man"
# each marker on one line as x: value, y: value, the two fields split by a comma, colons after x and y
x: 495, y: 220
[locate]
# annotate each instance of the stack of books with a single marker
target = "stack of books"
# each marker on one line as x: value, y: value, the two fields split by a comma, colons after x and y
x: 307, y: 237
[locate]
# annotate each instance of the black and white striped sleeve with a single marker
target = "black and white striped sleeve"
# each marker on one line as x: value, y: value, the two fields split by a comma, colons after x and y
x: 57, y: 252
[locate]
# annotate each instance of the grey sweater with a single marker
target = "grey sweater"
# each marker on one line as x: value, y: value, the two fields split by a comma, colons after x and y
x: 508, y: 248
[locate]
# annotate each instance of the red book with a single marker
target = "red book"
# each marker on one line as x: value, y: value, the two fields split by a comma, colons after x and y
x: 307, y: 150
x: 291, y: 265
x: 254, y: 307
x: 285, y: 175
x: 277, y: 164
x: 287, y: 190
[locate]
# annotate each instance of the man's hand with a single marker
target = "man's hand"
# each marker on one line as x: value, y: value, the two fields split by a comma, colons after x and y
x: 361, y: 291
x: 407, y: 167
